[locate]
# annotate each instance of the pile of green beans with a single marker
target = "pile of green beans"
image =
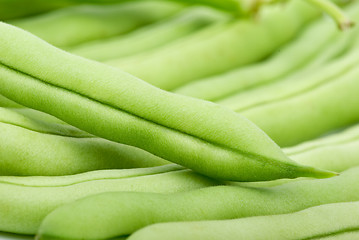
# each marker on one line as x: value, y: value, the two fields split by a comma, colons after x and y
x: 321, y: 222
x: 121, y: 213
x: 303, y: 82
x: 25, y: 201
x: 280, y: 65
x: 71, y: 26
x: 239, y: 44
x: 171, y: 178
x: 151, y: 36
x: 36, y: 191
x: 26, y: 136
x: 18, y: 8
x: 207, y: 131
x: 240, y: 120
x: 325, y: 103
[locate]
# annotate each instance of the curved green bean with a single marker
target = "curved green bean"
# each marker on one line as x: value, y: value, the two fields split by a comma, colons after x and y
x: 328, y: 45
x: 12, y: 9
x: 33, y: 144
x: 151, y: 36
x: 324, y: 106
x: 70, y: 26
x: 242, y: 43
x: 313, y: 223
x: 337, y: 152
x: 281, y: 64
x: 343, y: 44
x: 25, y: 201
x: 18, y: 8
x: 293, y: 85
x: 110, y: 103
x: 122, y: 213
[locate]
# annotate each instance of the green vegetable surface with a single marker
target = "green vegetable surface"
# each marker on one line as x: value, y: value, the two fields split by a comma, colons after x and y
x: 110, y: 103
x: 122, y: 213
x: 321, y: 222
x: 179, y: 119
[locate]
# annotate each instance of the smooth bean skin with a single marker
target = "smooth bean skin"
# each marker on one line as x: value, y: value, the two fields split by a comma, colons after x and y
x: 336, y: 152
x: 74, y: 25
x: 25, y: 201
x: 329, y: 44
x: 5, y: 102
x: 244, y: 42
x: 319, y: 221
x: 309, y: 112
x: 112, y: 104
x: 18, y: 8
x: 281, y: 64
x: 343, y: 44
x: 12, y: 9
x: 293, y: 85
x: 33, y: 144
x: 122, y: 213
x: 151, y: 36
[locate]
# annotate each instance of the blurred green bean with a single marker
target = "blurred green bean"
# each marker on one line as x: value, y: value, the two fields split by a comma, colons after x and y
x: 34, y: 143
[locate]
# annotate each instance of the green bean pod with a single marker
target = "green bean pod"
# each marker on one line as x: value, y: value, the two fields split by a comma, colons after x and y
x: 337, y: 152
x: 317, y: 222
x: 150, y: 36
x: 293, y: 85
x: 328, y: 45
x: 322, y: 110
x: 244, y: 42
x: 5, y: 102
x: 119, y: 214
x: 343, y: 44
x: 110, y: 103
x: 70, y: 26
x: 281, y: 64
x: 327, y: 100
x: 12, y: 9
x: 33, y: 144
x: 18, y: 8
x: 25, y: 201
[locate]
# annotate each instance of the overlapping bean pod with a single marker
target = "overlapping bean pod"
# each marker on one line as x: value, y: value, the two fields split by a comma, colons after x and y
x: 328, y: 45
x: 336, y: 152
x: 293, y: 85
x: 241, y: 43
x: 151, y: 36
x: 122, y: 213
x: 326, y: 99
x: 282, y: 63
x: 12, y: 9
x: 321, y: 222
x: 110, y: 103
x: 25, y: 201
x: 342, y: 149
x: 70, y: 26
x: 33, y: 143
